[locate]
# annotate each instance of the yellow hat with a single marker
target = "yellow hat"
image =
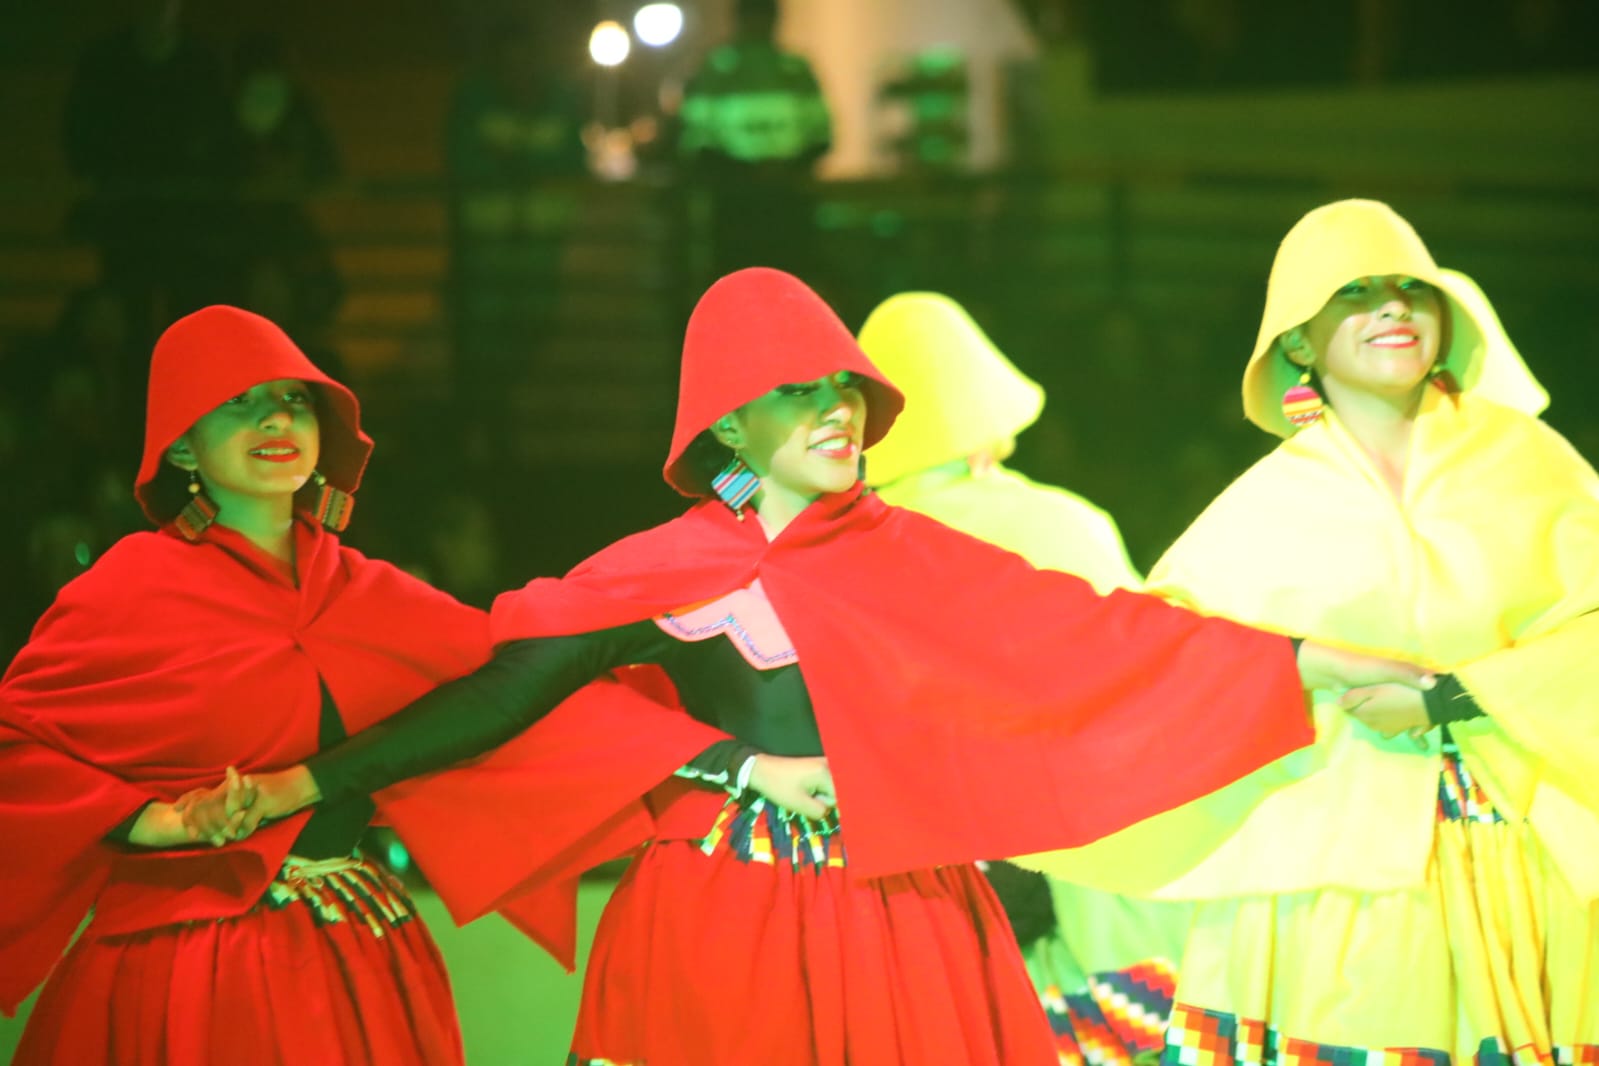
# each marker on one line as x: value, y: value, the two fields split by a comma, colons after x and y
x: 961, y: 394
x: 1339, y: 242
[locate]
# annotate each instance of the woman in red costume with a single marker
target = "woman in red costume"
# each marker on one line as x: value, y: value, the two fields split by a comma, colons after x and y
x: 243, y: 633
x: 953, y: 701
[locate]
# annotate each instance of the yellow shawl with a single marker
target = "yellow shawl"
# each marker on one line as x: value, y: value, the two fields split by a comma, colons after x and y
x: 1487, y: 565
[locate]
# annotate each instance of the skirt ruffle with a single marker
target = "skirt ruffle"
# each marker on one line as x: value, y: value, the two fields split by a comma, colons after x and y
x: 332, y: 967
x: 1492, y: 961
x: 756, y: 945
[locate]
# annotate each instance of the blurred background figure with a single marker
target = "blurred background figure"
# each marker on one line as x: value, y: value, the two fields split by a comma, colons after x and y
x: 283, y: 153
x: 69, y: 417
x: 145, y: 125
x: 754, y: 123
x: 514, y: 144
x: 1103, y: 964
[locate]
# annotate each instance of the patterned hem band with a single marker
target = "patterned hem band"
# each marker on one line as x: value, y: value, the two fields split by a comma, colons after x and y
x: 1198, y: 1037
x: 1118, y: 1017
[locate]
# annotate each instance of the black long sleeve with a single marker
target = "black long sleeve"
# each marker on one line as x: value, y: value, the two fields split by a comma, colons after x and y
x: 524, y: 681
x: 333, y: 829
x: 1448, y: 701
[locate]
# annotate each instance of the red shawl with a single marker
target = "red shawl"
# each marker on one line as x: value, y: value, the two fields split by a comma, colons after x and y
x: 168, y: 661
x: 163, y: 664
x: 970, y: 705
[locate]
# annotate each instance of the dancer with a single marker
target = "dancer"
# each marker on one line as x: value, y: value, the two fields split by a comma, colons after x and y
x: 1427, y: 888
x: 964, y: 704
x: 1104, y: 964
x: 242, y: 632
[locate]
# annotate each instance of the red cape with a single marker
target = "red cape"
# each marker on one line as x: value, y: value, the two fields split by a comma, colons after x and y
x: 970, y: 705
x: 152, y: 672
x: 168, y: 661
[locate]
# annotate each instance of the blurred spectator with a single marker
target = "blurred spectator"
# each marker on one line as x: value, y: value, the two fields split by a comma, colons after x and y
x: 145, y: 125
x: 928, y: 102
x: 283, y: 153
x: 64, y: 437
x: 754, y: 123
x: 300, y: 294
x: 515, y: 156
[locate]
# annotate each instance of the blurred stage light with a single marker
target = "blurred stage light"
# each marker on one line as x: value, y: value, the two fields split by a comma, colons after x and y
x: 609, y: 43
x: 658, y: 25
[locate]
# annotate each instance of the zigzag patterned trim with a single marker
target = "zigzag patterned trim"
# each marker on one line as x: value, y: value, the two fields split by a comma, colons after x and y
x: 1198, y: 1037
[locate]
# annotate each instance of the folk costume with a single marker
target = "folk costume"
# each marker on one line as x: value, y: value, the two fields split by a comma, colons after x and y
x: 1425, y: 906
x: 909, y: 654
x: 1104, y: 964
x: 178, y: 654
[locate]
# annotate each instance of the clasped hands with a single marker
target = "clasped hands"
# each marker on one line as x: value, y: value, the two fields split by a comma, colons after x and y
x: 228, y: 811
x: 1384, y: 695
x: 235, y: 808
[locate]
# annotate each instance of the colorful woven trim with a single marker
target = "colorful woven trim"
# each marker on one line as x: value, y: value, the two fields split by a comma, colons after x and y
x: 573, y: 1060
x: 352, y: 889
x: 1197, y: 1037
x: 1460, y: 797
x: 1120, y: 1016
x: 764, y: 833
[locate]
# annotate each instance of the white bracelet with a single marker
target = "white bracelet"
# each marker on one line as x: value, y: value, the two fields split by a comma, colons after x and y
x: 745, y: 772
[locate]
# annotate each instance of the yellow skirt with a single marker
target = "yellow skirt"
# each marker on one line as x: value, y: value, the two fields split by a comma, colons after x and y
x: 1493, y: 960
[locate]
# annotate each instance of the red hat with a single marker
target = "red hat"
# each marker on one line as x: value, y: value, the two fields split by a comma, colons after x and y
x: 752, y: 331
x: 216, y: 353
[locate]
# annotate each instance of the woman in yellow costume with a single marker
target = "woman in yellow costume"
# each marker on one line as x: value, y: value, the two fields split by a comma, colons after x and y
x: 1102, y: 963
x: 1425, y: 887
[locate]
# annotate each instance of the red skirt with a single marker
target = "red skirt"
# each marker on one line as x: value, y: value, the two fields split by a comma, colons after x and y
x: 756, y: 946
x: 332, y: 967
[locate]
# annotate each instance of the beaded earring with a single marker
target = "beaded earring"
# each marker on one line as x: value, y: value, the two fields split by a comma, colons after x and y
x: 735, y: 485
x: 198, y: 514
x: 1302, y: 403
x: 330, y: 506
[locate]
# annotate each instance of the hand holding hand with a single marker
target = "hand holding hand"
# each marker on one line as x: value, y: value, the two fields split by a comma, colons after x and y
x: 803, y: 785
x: 1323, y: 667
x: 212, y: 815
x: 1389, y: 709
x: 277, y: 795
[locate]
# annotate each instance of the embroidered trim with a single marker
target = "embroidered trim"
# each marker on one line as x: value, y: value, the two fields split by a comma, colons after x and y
x: 1119, y: 1016
x: 1198, y: 1037
x: 341, y: 890
x: 746, y: 617
x: 766, y: 834
x: 735, y: 782
x: 1460, y: 797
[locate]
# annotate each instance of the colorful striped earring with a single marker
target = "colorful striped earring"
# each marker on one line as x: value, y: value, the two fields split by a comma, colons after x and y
x: 735, y: 485
x: 330, y: 506
x: 198, y: 514
x: 1302, y: 403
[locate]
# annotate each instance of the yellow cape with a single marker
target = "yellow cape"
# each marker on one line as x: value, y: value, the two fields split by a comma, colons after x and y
x: 962, y: 396
x: 1487, y: 565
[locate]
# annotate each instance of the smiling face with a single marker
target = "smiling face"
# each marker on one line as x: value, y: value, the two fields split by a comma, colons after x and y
x: 259, y: 446
x: 802, y: 439
x: 1376, y: 335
